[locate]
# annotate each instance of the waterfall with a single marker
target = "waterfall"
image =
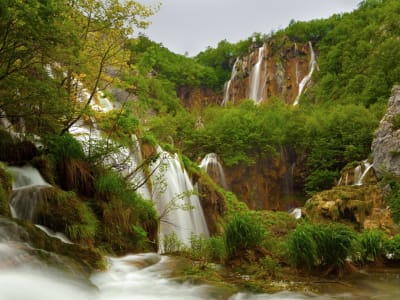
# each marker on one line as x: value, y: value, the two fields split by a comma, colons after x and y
x: 26, y: 191
x: 256, y: 86
x: 307, y: 78
x: 227, y: 86
x: 179, y: 208
x: 213, y: 167
x: 359, y: 176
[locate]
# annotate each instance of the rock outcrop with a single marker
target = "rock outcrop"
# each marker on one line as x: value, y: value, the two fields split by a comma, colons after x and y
x: 197, y: 97
x: 360, y: 205
x: 386, y: 144
x: 270, y: 183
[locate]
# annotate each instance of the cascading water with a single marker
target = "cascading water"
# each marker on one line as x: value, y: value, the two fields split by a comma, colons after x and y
x: 227, y: 87
x: 173, y: 192
x: 26, y: 191
x: 307, y: 78
x: 357, y: 174
x: 256, y: 86
x: 213, y: 167
x: 359, y: 178
x: 179, y: 209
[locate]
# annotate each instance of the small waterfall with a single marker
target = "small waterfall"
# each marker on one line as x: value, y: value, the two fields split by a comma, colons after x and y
x: 359, y: 176
x: 179, y: 208
x: 307, y: 78
x: 26, y: 191
x: 227, y: 87
x: 256, y: 86
x: 212, y: 166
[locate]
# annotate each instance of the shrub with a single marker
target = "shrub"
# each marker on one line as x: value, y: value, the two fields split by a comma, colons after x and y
x: 242, y: 232
x: 393, y: 247
x: 64, y: 147
x: 171, y: 244
x: 373, y: 244
x: 302, y: 246
x: 326, y: 246
x: 207, y: 249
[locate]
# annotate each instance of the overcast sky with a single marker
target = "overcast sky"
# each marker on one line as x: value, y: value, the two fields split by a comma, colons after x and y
x: 192, y: 25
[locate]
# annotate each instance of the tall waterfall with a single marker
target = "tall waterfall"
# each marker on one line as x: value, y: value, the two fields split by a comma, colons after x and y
x: 227, y: 87
x: 256, y: 84
x: 213, y: 167
x: 307, y: 78
x: 173, y: 192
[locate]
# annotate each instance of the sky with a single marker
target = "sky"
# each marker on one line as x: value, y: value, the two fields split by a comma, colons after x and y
x: 193, y: 25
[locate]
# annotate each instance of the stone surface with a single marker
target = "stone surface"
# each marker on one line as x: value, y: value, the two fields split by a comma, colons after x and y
x: 282, y: 69
x: 386, y: 144
x: 361, y: 205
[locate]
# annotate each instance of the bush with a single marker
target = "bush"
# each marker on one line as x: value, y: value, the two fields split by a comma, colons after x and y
x: 326, y: 246
x: 64, y: 147
x: 393, y: 247
x: 171, y: 244
x: 373, y: 244
x: 207, y: 249
x: 302, y: 246
x: 242, y: 233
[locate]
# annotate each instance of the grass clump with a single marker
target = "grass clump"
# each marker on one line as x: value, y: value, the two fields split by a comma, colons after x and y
x: 242, y: 232
x: 373, y: 245
x: 326, y: 247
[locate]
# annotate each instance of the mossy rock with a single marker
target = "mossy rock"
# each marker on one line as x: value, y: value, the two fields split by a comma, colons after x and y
x: 5, y: 189
x: 344, y: 203
x: 65, y: 212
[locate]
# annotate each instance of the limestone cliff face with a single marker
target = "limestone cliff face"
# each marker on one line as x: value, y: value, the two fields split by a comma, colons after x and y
x: 386, y: 144
x: 268, y: 184
x: 197, y: 97
x: 271, y: 70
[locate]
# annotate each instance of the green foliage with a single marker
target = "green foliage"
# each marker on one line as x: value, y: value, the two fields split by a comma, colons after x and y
x: 326, y: 246
x: 392, y: 198
x: 171, y: 244
x: 64, y: 147
x: 373, y: 244
x: 110, y: 183
x: 206, y: 250
x: 242, y: 233
x: 393, y: 247
x: 64, y: 212
x: 302, y: 246
x: 396, y: 122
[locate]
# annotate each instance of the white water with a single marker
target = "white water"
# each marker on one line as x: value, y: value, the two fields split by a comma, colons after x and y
x: 26, y: 191
x: 57, y: 235
x: 179, y: 207
x: 358, y: 175
x: 307, y: 78
x: 213, y: 167
x: 227, y: 87
x: 256, y: 86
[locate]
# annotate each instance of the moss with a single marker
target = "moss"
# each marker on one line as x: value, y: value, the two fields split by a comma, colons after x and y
x: 87, y: 259
x: 5, y: 188
x: 64, y: 212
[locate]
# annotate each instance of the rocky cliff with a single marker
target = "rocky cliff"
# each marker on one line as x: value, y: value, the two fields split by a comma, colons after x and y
x: 197, y: 97
x: 272, y: 70
x: 271, y: 183
x: 386, y: 144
